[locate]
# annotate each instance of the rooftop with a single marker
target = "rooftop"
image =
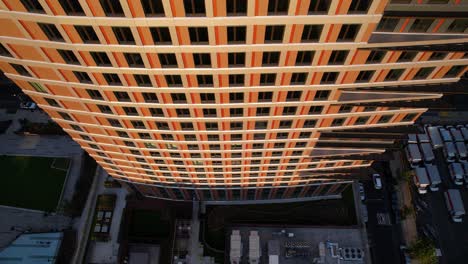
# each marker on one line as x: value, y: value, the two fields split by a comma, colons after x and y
x: 304, y: 244
x: 34, y: 248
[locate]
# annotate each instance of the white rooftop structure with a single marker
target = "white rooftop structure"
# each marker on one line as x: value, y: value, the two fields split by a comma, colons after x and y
x: 254, y: 247
x: 236, y: 247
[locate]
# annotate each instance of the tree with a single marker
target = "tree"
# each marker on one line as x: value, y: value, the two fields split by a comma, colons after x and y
x: 423, y: 250
x: 406, y: 211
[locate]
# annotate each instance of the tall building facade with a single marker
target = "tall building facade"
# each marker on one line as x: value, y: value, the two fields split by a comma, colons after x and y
x: 234, y: 99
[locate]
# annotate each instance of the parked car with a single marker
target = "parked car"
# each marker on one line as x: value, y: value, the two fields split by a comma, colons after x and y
x: 377, y: 181
x: 28, y: 106
x: 362, y: 194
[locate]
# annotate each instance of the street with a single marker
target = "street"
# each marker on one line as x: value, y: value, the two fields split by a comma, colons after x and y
x: 434, y: 221
x: 383, y: 234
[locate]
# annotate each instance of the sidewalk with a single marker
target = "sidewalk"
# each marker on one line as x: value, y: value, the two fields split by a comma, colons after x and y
x: 408, y: 225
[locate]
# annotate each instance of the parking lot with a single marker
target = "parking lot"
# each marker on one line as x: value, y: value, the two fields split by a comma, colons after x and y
x: 434, y: 220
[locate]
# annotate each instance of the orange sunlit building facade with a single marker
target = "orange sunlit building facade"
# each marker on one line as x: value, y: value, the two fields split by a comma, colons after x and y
x: 233, y: 100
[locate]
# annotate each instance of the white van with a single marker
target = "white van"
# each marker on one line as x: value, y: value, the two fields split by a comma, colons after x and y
x: 446, y: 136
x: 456, y: 135
x: 434, y: 135
x: 461, y: 151
x: 450, y: 152
x: 427, y: 152
x: 414, y: 155
x: 456, y: 173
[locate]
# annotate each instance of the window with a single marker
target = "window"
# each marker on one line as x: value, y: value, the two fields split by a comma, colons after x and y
x: 361, y: 120
x: 293, y: 96
x: 101, y: 58
x: 263, y: 111
x: 150, y: 97
x: 236, y: 137
x: 317, y: 109
x: 186, y: 125
x: 454, y: 71
x: 364, y: 76
x: 236, y: 59
x: 112, y: 78
x: 270, y: 58
x: 236, y: 35
x: 421, y: 25
x: 458, y: 26
x: 208, y: 112
x: 194, y: 8
x: 407, y: 56
x: 438, y: 56
x: 278, y: 7
x: 423, y: 73
x: 236, y: 112
x: 130, y: 111
x: 236, y: 97
x: 259, y: 136
x: 167, y: 60
x: 274, y: 34
x: 33, y: 6
x: 304, y: 135
x: 122, y: 96
x: 385, y: 119
x: 178, y: 98
x: 348, y: 32
x: 134, y: 60
x: 182, y: 112
x: 161, y: 35
x: 304, y: 57
x: 265, y: 96
x: 114, y: 122
x: 162, y: 125
x: 211, y: 126
x: 298, y: 78
x: 68, y: 56
x: 310, y: 123
x: 112, y: 8
x: 289, y: 110
x: 236, y: 79
x: 322, y: 95
x: 123, y: 35
x: 173, y: 80
x: 198, y: 35
x: 4, y: 51
x: 77, y: 128
x: 153, y: 8
x: 138, y: 124
x: 94, y: 94
x: 82, y: 77
x: 388, y: 24
x: 329, y: 77
x: 202, y: 59
x: 87, y: 34
x: 52, y: 102
x: 394, y: 74
x: 20, y: 69
x: 338, y: 122
x: 409, y: 117
x: 317, y: 7
x: 236, y: 125
x: 156, y: 112
x: 338, y: 57
x: 236, y: 7
x: 345, y: 109
x: 143, y: 80
x: 72, y: 7
x: 205, y: 80
x: 359, y: 6
x: 369, y: 109
x: 311, y: 33
x: 375, y: 56
x: 207, y: 98
x: 105, y: 109
x: 267, y: 78
x: 51, y: 31
x: 261, y: 125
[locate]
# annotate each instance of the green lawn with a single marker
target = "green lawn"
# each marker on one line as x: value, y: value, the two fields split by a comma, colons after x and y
x: 30, y: 182
x: 145, y: 223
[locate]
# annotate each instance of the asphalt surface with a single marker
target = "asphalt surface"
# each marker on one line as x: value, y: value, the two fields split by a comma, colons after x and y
x: 434, y: 221
x: 384, y: 240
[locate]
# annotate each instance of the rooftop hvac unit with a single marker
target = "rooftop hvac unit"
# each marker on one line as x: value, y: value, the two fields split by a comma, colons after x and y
x: 352, y: 253
x: 236, y: 247
x: 254, y: 247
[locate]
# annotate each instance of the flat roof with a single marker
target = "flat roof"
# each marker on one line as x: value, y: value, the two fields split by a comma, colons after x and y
x: 306, y: 240
x: 35, y: 248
